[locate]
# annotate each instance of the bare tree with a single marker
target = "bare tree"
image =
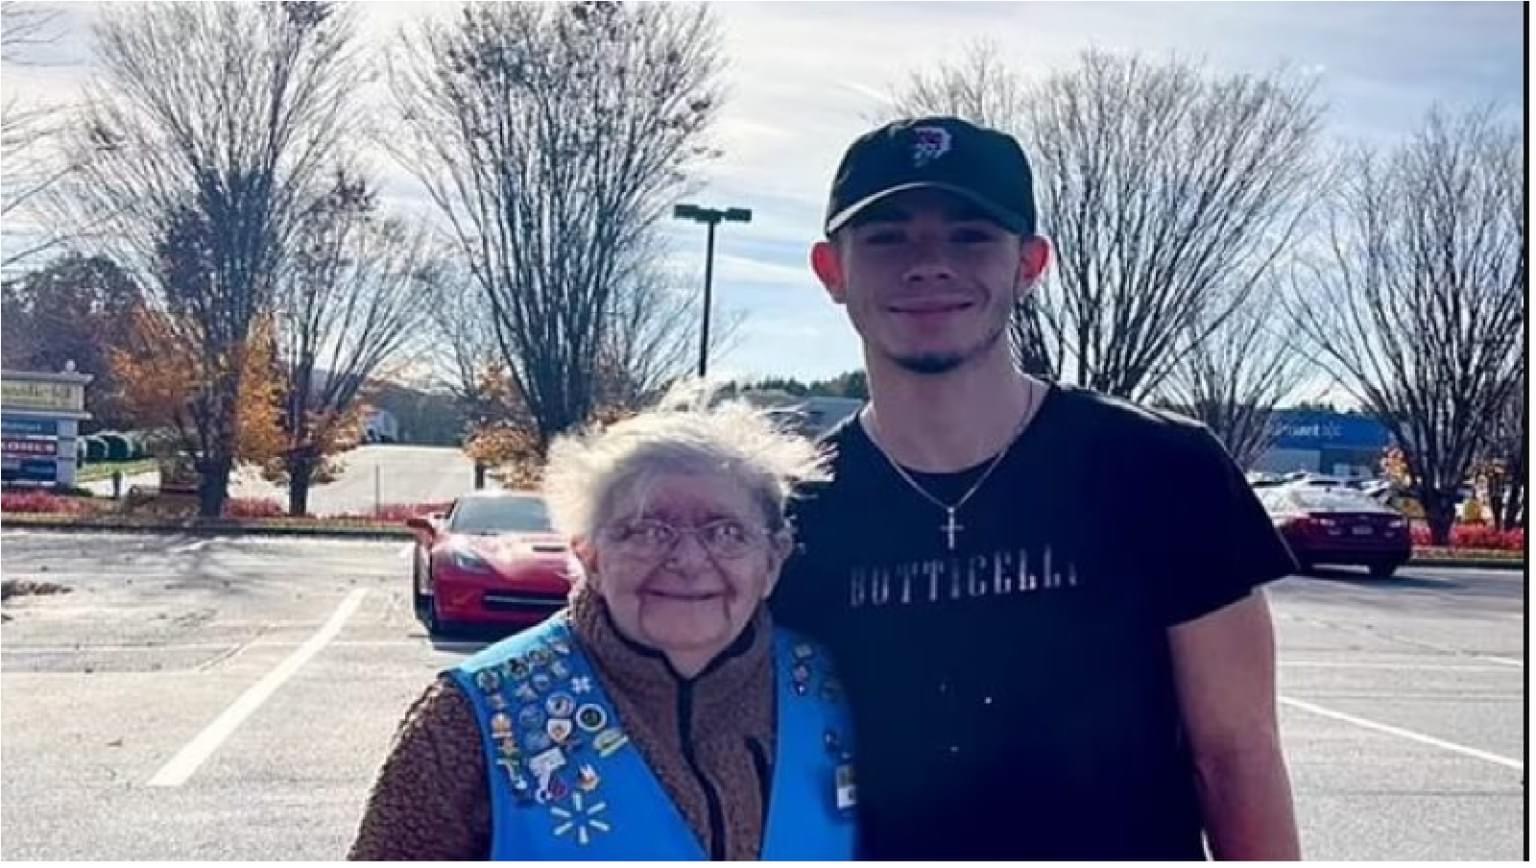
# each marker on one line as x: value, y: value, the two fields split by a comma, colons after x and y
x: 1417, y: 305
x: 1506, y: 463
x: 1170, y: 193
x: 212, y: 124
x: 28, y: 132
x: 464, y: 339
x: 24, y: 26
x: 551, y: 138
x: 1234, y: 376
x: 354, y: 297
x: 651, y: 338
x: 653, y: 334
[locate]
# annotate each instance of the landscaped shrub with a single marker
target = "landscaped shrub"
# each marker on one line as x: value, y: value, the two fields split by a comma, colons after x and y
x: 43, y: 502
x: 253, y: 507
x: 392, y: 513
x: 1476, y: 536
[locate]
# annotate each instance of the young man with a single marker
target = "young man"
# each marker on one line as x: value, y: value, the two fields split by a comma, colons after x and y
x: 1042, y: 600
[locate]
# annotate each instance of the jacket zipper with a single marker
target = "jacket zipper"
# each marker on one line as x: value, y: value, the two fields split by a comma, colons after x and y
x: 711, y: 798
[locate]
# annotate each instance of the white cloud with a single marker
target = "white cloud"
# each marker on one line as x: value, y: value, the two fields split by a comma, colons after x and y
x: 804, y: 79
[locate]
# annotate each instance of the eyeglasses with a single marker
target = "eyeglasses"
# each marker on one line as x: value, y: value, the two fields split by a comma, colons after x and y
x: 653, y: 539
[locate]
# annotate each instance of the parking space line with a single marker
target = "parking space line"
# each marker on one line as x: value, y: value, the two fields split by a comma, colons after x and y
x: 190, y: 757
x: 1405, y: 733
x: 199, y: 545
x: 1376, y: 664
x: 1505, y: 661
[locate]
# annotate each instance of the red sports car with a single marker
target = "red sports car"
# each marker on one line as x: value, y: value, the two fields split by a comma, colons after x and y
x: 1338, y: 526
x: 492, y: 559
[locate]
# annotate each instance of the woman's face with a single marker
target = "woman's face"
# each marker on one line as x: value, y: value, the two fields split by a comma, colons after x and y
x: 683, y: 562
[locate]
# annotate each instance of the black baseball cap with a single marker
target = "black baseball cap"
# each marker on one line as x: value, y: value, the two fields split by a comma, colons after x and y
x: 945, y: 153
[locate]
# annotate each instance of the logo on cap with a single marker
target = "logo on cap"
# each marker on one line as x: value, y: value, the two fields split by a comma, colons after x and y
x: 930, y: 144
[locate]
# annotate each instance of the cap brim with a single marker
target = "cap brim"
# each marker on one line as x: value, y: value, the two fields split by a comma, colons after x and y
x: 1010, y: 220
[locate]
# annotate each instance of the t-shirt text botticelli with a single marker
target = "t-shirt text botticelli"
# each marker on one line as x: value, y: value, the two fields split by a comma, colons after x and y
x: 1014, y: 696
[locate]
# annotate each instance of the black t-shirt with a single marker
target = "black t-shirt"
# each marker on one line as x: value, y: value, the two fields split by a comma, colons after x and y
x: 1014, y: 698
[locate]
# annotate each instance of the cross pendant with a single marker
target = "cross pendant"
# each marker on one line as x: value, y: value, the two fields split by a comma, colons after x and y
x: 951, y: 527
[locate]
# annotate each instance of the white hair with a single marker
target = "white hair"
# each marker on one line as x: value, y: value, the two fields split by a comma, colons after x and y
x: 688, y: 431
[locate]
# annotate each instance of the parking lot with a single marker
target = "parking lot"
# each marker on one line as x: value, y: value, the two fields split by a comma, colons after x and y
x: 231, y: 698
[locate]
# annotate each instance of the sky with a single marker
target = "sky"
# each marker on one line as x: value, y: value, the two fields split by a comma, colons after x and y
x: 804, y: 79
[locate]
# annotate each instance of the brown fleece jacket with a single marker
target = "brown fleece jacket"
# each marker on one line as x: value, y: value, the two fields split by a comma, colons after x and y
x: 432, y: 798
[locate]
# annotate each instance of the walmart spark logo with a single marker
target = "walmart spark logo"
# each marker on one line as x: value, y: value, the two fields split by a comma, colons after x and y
x: 582, y: 819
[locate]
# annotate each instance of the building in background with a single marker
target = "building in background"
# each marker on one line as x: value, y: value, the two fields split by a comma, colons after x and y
x: 1319, y: 441
x: 812, y: 415
x: 380, y: 426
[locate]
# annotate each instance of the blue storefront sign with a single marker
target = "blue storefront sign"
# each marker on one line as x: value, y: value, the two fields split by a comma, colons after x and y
x: 1313, y: 429
x: 30, y: 470
x: 29, y: 427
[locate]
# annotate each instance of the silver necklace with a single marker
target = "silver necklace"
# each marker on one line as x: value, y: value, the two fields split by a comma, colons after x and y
x: 950, y: 527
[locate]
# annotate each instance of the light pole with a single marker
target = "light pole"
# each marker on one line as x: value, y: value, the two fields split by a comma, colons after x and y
x: 711, y: 217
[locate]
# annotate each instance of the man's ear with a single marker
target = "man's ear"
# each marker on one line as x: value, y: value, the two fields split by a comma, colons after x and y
x: 1034, y: 259
x: 827, y: 262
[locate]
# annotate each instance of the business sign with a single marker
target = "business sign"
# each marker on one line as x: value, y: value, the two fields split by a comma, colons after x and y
x: 29, y: 469
x: 22, y: 394
x: 1311, y: 429
x: 12, y: 446
x: 29, y: 427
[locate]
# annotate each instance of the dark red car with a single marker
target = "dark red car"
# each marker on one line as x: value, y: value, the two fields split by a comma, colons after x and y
x: 1339, y: 526
x: 491, y: 560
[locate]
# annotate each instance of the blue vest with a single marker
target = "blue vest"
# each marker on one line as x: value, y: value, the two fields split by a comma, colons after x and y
x: 566, y: 784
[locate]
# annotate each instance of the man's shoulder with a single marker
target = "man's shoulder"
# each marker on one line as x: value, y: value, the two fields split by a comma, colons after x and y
x: 1110, y: 416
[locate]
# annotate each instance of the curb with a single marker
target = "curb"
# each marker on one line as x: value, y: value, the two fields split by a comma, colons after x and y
x: 1468, y: 563
x: 204, y: 527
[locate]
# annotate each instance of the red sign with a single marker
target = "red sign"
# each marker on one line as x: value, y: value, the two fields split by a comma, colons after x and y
x: 29, y: 447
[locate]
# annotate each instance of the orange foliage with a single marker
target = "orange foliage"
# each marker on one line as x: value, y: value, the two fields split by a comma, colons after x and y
x: 503, y: 438
x: 163, y: 374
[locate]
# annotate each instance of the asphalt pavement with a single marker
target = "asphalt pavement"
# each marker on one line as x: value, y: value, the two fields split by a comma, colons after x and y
x: 232, y: 698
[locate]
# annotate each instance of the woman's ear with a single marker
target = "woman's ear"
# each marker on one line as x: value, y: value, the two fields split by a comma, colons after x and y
x: 586, y: 554
x: 780, y: 546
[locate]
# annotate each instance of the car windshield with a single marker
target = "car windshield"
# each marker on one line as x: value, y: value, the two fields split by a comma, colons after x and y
x: 500, y: 515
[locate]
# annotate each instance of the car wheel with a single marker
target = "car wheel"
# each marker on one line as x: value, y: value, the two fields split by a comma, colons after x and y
x: 421, y: 602
x: 1383, y: 571
x: 437, y: 626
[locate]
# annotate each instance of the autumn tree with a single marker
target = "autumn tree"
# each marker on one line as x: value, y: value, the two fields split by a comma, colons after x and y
x: 1416, y: 304
x: 551, y: 138
x: 352, y: 299
x: 1169, y: 191
x: 213, y: 126
x: 76, y: 308
x: 157, y: 371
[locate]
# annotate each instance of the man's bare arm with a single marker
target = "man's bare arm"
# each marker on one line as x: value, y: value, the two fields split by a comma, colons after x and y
x: 1224, y: 667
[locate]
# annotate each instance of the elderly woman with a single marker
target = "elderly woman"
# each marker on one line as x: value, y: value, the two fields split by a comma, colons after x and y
x: 661, y: 715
